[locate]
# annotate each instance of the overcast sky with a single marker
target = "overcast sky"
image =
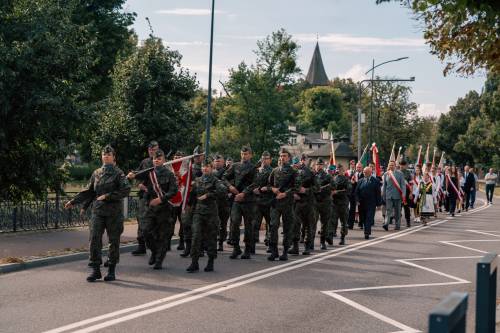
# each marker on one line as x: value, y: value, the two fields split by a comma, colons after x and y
x: 351, y: 34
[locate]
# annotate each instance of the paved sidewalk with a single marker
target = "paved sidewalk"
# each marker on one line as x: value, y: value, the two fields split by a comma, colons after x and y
x: 33, y: 244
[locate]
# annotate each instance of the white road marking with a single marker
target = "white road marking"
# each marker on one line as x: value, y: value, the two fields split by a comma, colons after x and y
x: 372, y: 313
x: 457, y: 280
x: 485, y: 232
x: 222, y: 286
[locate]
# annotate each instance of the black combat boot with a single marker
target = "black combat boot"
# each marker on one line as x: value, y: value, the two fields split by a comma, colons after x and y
x: 187, y: 250
x: 274, y: 253
x: 342, y: 240
x: 247, y: 253
x: 158, y: 264
x: 329, y: 239
x: 210, y: 265
x: 111, y: 273
x: 194, y: 267
x: 323, y: 245
x: 141, y: 249
x: 221, y: 246
x: 284, y: 256
x: 181, y: 246
x: 152, y: 259
x: 295, y: 249
x: 236, y: 252
x: 96, y: 273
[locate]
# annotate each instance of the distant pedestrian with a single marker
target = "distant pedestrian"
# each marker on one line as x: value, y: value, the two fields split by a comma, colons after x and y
x: 427, y: 198
x: 469, y: 186
x: 491, y: 180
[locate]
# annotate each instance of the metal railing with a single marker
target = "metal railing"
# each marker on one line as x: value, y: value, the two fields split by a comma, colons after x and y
x: 486, y: 292
x: 50, y: 214
x: 449, y: 316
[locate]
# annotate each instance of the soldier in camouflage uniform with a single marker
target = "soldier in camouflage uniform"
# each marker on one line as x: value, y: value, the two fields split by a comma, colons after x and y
x: 323, y: 181
x: 304, y: 207
x: 222, y: 201
x: 187, y: 216
x: 203, y: 201
x: 340, y: 193
x: 107, y: 188
x: 162, y: 186
x: 141, y: 211
x: 240, y: 179
x: 282, y: 182
x: 264, y: 197
x: 177, y: 210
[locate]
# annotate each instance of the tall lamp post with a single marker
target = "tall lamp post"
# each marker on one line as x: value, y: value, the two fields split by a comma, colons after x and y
x: 209, y: 98
x: 372, y: 70
x: 360, y: 90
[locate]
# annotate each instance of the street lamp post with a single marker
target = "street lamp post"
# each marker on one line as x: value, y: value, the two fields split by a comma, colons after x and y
x: 209, y: 98
x: 372, y: 70
x: 360, y: 89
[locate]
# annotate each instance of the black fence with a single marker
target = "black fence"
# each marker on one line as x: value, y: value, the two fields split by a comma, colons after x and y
x: 50, y: 214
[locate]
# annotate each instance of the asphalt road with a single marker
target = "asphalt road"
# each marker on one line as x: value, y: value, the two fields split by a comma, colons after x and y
x: 386, y: 284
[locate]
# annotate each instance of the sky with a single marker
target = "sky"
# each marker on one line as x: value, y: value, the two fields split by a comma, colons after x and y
x: 351, y: 34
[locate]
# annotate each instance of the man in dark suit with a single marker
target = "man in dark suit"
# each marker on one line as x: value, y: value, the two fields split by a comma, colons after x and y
x: 355, y: 176
x: 369, y: 197
x: 469, y: 187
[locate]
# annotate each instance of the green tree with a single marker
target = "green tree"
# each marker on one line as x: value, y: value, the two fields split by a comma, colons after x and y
x: 322, y: 108
x: 464, y: 34
x: 454, y: 123
x: 149, y: 101
x: 481, y: 139
x: 260, y: 100
x: 394, y: 117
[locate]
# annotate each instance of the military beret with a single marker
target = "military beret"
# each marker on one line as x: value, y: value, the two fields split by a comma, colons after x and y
x: 320, y: 161
x: 295, y: 160
x: 284, y: 151
x: 159, y: 153
x: 207, y: 161
x: 108, y: 150
x: 332, y: 167
x: 229, y: 159
x: 153, y: 144
x: 245, y: 149
x: 266, y: 154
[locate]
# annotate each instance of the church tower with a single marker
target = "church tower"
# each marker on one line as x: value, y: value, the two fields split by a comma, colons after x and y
x: 316, y: 75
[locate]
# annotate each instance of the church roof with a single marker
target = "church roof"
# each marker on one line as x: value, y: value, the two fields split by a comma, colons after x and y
x: 316, y: 74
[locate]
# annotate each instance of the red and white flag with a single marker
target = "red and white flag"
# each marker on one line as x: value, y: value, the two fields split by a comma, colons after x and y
x: 376, y: 160
x: 183, y: 171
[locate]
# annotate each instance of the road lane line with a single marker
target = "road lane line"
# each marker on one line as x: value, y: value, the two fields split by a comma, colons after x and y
x: 372, y: 313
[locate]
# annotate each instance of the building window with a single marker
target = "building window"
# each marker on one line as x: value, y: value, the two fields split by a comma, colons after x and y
x: 293, y: 141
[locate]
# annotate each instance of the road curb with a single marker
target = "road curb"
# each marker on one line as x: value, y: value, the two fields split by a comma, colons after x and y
x: 48, y: 261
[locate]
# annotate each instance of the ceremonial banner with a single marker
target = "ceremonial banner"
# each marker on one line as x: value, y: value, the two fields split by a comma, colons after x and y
x: 332, y: 151
x: 419, y: 156
x: 376, y: 160
x: 183, y: 173
x: 365, y: 157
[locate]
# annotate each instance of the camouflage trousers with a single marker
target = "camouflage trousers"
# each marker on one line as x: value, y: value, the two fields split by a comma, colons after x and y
x: 305, y: 217
x: 113, y: 225
x: 282, y: 211
x: 158, y: 230
x: 324, y: 213
x: 261, y: 212
x: 141, y: 212
x: 245, y: 211
x: 340, y: 211
x: 205, y: 228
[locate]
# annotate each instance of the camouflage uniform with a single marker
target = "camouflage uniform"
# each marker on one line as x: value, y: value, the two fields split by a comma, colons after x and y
x: 323, y: 196
x: 107, y: 214
x: 304, y: 210
x: 241, y: 175
x: 187, y: 216
x: 142, y: 204
x: 264, y: 200
x: 340, y: 204
x: 161, y: 183
x: 284, y: 178
x: 205, y: 218
x: 222, y: 207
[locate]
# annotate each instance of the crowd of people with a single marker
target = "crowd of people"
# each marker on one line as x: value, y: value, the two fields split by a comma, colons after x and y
x: 224, y: 195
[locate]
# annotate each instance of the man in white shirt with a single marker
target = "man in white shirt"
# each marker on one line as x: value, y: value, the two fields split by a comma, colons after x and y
x: 490, y: 180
